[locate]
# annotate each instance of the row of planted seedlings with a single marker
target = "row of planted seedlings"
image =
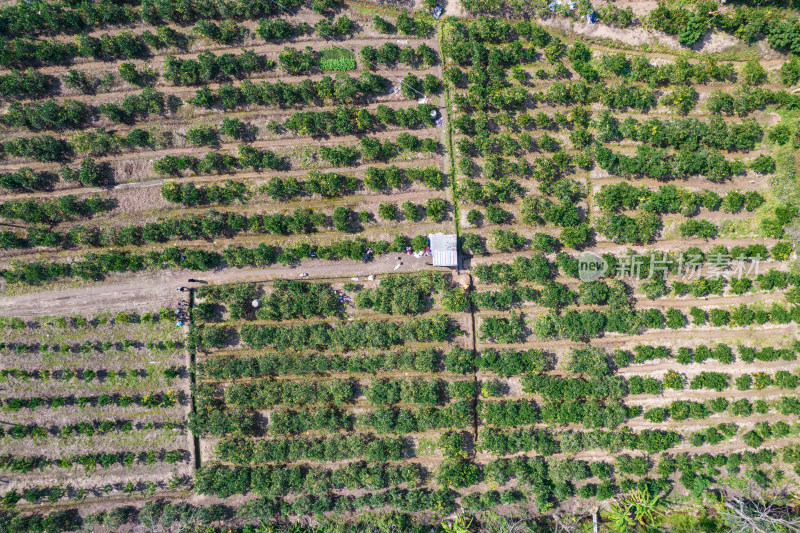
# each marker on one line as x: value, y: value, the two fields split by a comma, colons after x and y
x: 634, y: 295
x: 338, y: 395
x: 168, y: 30
x: 96, y: 407
x: 127, y: 124
x: 540, y: 122
x: 309, y: 71
x: 325, y: 200
x: 570, y: 368
x: 771, y: 24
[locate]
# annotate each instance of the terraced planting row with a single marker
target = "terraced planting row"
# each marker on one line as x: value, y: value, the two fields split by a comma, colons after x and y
x: 615, y: 351
x: 257, y: 153
x: 94, y: 409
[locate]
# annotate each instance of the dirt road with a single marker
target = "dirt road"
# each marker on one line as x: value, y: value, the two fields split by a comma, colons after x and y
x: 146, y: 290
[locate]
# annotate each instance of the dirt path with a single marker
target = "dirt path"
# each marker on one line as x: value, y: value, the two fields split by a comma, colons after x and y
x: 454, y: 8
x: 713, y: 42
x: 145, y: 291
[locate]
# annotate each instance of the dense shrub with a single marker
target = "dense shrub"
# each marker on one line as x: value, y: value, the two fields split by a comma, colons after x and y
x: 210, y: 67
x: 48, y: 115
x: 64, y: 208
x: 42, y: 148
x: 402, y: 294
x: 188, y: 194
x: 509, y: 362
x: 348, y: 336
x: 329, y: 448
x: 28, y: 83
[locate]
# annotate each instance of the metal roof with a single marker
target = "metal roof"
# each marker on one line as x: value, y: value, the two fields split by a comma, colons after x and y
x: 445, y: 259
x: 444, y: 249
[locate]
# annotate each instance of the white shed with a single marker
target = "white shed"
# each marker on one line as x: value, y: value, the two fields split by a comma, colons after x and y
x: 444, y: 249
